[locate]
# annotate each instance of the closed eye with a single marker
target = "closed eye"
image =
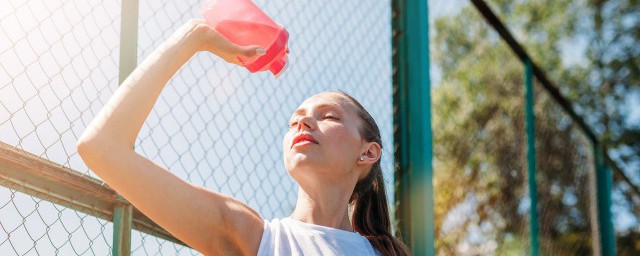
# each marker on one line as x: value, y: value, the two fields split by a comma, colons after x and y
x: 331, y: 117
x: 327, y: 116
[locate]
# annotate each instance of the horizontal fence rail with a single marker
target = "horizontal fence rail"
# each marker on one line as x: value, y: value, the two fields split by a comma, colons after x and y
x: 32, y: 175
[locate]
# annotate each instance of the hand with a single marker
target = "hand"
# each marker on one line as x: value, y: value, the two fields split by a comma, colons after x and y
x: 199, y: 36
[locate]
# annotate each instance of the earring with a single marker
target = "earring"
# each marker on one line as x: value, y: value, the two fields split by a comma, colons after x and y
x: 361, y: 158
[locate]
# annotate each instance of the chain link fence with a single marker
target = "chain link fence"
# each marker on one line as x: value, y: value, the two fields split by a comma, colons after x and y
x: 214, y: 125
x: 481, y: 193
x: 58, y: 65
x: 566, y: 183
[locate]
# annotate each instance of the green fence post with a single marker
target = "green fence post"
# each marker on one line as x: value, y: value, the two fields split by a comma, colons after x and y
x: 531, y: 155
x: 605, y: 219
x: 413, y: 118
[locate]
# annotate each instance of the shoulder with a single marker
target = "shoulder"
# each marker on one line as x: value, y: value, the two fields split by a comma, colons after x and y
x: 242, y: 226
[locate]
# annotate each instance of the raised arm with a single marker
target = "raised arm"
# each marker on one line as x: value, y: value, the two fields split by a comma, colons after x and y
x: 212, y: 223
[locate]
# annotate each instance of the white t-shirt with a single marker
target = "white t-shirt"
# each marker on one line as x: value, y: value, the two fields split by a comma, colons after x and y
x: 289, y: 236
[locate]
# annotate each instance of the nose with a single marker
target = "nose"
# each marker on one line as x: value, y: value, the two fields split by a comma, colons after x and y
x: 302, y: 122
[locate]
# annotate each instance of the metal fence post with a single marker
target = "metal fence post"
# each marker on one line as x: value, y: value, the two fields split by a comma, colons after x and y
x: 122, y: 215
x: 413, y: 118
x: 128, y: 38
x: 605, y: 221
x: 122, y: 219
x: 531, y: 155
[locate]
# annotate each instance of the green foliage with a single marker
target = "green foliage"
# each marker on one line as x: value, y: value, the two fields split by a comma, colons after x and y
x: 480, y: 174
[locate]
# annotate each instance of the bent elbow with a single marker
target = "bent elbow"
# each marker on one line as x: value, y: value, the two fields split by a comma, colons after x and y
x: 96, y: 151
x: 90, y: 149
x: 94, y: 155
x: 86, y: 150
x: 84, y: 147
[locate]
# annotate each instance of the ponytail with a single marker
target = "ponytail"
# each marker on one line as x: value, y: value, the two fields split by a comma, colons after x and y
x: 371, y: 214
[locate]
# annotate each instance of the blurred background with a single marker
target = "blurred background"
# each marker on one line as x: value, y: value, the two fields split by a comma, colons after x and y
x: 590, y: 50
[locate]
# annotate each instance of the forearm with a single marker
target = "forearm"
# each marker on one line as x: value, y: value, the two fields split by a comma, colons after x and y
x: 121, y: 119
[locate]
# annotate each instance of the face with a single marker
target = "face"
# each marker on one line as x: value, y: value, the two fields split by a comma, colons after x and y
x: 333, y: 123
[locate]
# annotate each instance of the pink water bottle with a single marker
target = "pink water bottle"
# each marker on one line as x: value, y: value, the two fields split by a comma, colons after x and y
x: 243, y: 23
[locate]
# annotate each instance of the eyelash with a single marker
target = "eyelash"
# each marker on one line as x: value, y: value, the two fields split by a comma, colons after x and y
x: 327, y: 116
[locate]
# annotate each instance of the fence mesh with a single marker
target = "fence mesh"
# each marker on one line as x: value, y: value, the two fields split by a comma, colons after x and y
x: 214, y: 125
x: 625, y: 208
x: 566, y: 182
x: 33, y: 226
x: 480, y: 174
x: 215, y: 117
x: 58, y: 65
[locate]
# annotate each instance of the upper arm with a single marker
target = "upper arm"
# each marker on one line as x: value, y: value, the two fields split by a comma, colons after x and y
x: 210, y: 222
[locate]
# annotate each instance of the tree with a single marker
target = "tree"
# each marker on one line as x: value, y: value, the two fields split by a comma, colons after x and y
x: 480, y: 176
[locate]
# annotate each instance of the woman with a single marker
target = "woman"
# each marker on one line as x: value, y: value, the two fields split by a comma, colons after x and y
x: 332, y: 149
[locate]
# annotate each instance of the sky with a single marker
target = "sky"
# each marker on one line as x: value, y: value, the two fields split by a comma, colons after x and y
x: 214, y: 125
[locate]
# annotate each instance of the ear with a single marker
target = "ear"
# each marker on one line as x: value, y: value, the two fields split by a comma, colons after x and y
x: 371, y: 153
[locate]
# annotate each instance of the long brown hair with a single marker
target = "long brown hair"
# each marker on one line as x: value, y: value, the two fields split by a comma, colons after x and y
x: 369, y: 199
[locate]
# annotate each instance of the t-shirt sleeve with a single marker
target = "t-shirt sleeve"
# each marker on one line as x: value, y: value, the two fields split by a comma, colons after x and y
x: 265, y: 242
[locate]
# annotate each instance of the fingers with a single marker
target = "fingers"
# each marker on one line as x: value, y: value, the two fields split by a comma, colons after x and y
x: 251, y: 51
x: 246, y: 52
x: 229, y: 51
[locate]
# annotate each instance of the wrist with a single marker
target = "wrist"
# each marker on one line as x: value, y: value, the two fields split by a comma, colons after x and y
x: 188, y: 39
x: 194, y: 35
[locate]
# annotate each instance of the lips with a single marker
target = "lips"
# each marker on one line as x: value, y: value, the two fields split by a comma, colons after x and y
x: 303, y: 137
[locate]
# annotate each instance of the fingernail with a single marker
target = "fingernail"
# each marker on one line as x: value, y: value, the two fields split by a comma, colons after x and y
x: 261, y: 51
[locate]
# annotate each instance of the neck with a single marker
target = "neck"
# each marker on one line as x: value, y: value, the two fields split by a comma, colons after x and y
x: 325, y: 207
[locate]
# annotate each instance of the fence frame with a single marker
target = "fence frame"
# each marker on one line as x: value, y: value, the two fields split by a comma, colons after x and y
x: 30, y: 174
x: 530, y: 123
x: 412, y: 118
x: 122, y: 216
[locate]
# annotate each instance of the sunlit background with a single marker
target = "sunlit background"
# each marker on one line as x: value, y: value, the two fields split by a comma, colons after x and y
x: 214, y: 125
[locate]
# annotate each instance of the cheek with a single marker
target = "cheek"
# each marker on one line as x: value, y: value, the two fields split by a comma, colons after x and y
x: 345, y: 142
x: 285, y: 151
x: 286, y: 142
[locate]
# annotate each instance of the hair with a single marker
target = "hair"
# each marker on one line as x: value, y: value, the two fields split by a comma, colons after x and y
x: 369, y: 199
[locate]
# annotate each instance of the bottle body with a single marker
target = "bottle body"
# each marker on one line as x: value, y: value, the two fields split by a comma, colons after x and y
x: 243, y: 23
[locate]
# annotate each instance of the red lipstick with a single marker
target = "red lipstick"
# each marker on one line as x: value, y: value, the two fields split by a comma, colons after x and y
x: 303, y: 137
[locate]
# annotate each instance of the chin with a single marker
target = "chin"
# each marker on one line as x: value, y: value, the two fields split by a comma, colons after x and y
x: 301, y: 164
x: 300, y: 161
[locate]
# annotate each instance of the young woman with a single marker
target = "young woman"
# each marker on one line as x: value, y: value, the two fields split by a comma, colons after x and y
x: 332, y: 150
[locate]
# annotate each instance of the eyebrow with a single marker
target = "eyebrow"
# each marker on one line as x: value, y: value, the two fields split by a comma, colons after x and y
x: 319, y: 106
